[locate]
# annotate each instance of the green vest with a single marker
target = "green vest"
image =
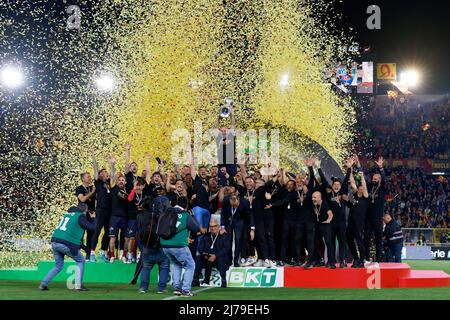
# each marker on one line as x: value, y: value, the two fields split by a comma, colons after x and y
x: 68, y: 228
x: 180, y: 239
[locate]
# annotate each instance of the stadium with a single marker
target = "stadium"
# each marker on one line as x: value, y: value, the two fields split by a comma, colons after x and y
x: 224, y: 150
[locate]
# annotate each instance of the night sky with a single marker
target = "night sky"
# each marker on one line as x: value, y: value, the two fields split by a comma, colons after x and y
x: 413, y: 33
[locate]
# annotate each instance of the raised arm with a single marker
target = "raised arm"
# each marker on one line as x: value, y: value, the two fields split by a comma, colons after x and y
x: 348, y: 165
x: 364, y: 185
x: 162, y: 171
x: 233, y: 120
x: 148, y: 175
x: 216, y: 123
x: 325, y: 183
x: 380, y: 163
x: 352, y: 182
x: 193, y: 170
x: 309, y: 164
x: 95, y: 165
x: 127, y: 158
x: 112, y: 163
x: 177, y: 171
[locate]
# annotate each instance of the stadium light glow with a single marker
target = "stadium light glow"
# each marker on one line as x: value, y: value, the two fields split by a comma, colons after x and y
x: 438, y: 173
x: 12, y: 77
x: 410, y: 77
x: 284, y: 81
x: 105, y: 82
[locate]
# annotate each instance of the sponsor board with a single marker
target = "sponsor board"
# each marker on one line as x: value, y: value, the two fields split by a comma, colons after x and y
x: 255, y: 277
x: 440, y: 253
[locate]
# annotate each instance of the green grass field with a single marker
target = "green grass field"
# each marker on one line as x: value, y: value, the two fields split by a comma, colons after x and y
x: 27, y: 290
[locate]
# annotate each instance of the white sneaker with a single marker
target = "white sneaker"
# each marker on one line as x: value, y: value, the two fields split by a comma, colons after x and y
x: 366, y: 264
x: 266, y: 263
x: 258, y: 263
x: 243, y: 261
x: 376, y: 265
x: 129, y: 257
x: 111, y: 260
x: 250, y: 261
x: 123, y: 259
x: 273, y: 264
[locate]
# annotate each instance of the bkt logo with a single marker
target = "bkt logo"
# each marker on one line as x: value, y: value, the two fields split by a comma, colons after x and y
x: 255, y: 277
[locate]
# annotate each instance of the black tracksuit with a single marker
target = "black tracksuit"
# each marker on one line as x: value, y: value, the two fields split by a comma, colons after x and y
x: 324, y: 230
x: 374, y: 218
x: 264, y: 222
x: 355, y: 229
x: 337, y: 206
x: 102, y: 213
x: 233, y: 219
x: 291, y: 217
x: 306, y: 227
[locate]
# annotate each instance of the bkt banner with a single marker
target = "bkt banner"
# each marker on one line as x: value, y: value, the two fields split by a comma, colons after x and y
x: 255, y: 277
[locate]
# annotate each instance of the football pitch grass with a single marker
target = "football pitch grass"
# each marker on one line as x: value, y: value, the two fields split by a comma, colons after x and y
x: 28, y: 290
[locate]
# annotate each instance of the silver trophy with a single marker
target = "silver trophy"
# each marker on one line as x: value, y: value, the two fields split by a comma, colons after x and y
x: 225, y: 110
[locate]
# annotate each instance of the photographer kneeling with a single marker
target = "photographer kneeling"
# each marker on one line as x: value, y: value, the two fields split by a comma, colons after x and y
x: 213, y: 253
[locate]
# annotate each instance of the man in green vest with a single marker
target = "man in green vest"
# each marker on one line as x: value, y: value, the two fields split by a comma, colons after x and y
x: 66, y: 241
x: 177, y: 249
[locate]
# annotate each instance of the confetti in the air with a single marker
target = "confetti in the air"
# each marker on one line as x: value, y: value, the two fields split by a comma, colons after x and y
x: 136, y: 70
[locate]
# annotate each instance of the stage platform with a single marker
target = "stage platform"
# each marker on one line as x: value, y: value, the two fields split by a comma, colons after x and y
x: 389, y: 275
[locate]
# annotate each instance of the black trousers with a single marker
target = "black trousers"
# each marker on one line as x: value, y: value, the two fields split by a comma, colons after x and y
x: 265, y: 244
x: 355, y: 233
x: 102, y: 216
x: 325, y: 233
x: 289, y: 238
x: 237, y: 227
x: 374, y: 226
x: 248, y: 246
x: 306, y: 231
x: 88, y: 234
x: 338, y: 230
x: 221, y: 263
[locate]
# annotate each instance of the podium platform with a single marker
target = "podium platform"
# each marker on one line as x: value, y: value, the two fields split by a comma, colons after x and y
x: 388, y: 275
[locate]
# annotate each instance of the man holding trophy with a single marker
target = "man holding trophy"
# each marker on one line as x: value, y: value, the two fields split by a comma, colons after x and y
x: 226, y: 144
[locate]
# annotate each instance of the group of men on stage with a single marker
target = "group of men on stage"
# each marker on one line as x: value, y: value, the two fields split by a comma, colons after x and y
x: 253, y: 219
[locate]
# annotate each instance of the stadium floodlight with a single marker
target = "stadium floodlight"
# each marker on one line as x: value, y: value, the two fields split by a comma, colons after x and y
x: 410, y: 77
x: 12, y: 77
x: 284, y: 81
x: 105, y: 82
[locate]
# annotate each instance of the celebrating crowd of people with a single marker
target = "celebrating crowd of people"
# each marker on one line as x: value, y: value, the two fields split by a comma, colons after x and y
x: 197, y: 217
x: 132, y: 211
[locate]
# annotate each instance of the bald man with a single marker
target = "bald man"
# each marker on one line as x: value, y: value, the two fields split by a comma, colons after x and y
x: 374, y: 218
x: 323, y: 219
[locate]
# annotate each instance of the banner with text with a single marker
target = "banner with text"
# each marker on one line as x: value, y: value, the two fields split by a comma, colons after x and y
x: 255, y: 277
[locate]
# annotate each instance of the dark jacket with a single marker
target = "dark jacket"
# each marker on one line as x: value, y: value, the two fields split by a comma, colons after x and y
x: 221, y: 247
x: 393, y: 233
x: 243, y: 213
